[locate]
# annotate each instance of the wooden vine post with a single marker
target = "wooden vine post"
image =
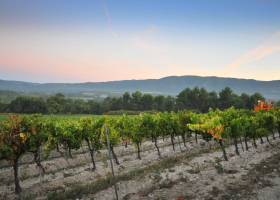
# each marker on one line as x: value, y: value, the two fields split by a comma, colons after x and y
x: 111, y: 162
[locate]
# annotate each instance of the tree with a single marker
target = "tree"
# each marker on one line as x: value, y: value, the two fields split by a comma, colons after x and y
x: 79, y: 106
x: 213, y: 100
x: 28, y: 105
x: 245, y: 101
x: 159, y: 102
x: 126, y: 101
x: 237, y: 102
x: 169, y: 103
x: 56, y: 104
x: 225, y: 98
x: 106, y: 105
x: 3, y: 107
x: 203, y: 103
x: 136, y: 100
x: 183, y: 100
x: 147, y: 102
x: 94, y: 107
x: 196, y: 99
x: 254, y: 100
x: 116, y: 103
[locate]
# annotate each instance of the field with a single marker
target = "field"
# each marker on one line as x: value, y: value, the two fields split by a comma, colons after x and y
x: 64, y: 116
x: 195, y: 172
x: 3, y: 116
x: 182, y: 155
x: 140, y: 100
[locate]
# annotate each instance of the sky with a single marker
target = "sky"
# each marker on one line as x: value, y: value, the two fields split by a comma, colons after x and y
x: 104, y: 40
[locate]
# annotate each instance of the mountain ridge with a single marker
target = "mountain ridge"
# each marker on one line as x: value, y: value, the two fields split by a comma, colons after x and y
x: 170, y: 85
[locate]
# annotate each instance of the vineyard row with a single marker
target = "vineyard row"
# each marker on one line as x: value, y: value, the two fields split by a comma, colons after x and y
x: 35, y: 134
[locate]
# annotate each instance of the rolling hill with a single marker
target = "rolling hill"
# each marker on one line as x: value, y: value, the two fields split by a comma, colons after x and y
x: 171, y: 85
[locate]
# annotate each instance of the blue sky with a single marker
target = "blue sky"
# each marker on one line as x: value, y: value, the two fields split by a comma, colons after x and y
x: 100, y: 40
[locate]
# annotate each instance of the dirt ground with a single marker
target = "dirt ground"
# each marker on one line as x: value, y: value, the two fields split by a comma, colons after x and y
x: 253, y: 175
x: 195, y: 172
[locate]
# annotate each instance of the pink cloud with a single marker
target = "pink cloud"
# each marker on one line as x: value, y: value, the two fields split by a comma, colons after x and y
x: 268, y: 47
x: 75, y: 69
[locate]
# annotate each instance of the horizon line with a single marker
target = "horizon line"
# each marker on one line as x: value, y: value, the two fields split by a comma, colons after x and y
x: 118, y: 80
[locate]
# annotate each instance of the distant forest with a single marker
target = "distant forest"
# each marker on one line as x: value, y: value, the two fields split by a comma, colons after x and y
x: 197, y: 99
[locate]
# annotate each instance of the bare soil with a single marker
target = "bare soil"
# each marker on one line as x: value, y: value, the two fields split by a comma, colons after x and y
x: 195, y: 172
x: 253, y: 175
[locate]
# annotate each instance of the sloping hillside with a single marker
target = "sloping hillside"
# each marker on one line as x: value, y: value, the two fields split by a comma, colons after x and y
x: 168, y: 85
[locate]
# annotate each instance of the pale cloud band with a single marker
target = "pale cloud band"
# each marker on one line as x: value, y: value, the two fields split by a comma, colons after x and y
x: 268, y: 47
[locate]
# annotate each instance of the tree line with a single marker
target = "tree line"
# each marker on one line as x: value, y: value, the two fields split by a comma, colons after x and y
x: 198, y: 99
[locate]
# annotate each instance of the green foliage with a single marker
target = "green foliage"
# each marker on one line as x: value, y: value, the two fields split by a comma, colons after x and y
x: 114, y: 135
x: 29, y: 133
x: 35, y: 125
x: 195, y: 99
x: 266, y: 123
x: 147, y: 126
x: 28, y: 105
x: 277, y: 122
